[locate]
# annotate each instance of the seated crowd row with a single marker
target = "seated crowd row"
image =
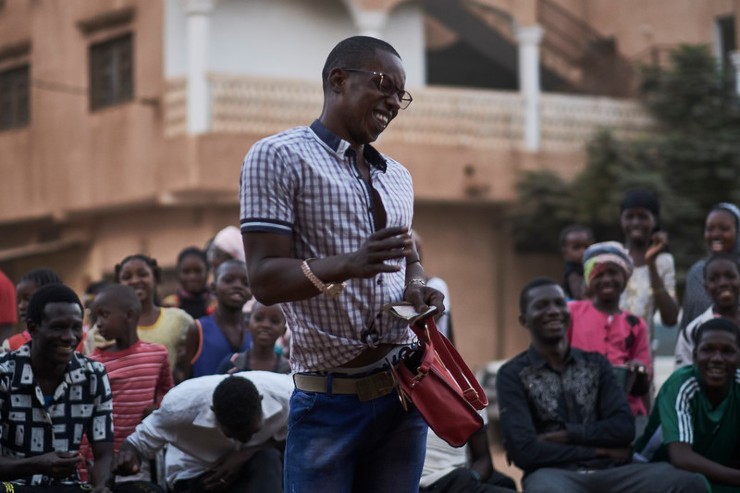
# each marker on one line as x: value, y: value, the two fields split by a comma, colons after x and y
x: 567, y: 414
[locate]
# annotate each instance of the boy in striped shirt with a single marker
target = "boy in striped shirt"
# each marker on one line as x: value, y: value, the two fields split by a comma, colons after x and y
x: 139, y: 371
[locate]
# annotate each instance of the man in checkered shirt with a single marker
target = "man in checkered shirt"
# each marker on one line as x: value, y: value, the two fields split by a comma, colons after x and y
x: 50, y: 397
x: 325, y: 219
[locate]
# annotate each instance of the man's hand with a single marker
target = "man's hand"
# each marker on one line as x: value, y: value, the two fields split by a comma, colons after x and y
x: 423, y: 296
x: 559, y: 436
x: 58, y: 465
x: 227, y: 469
x: 385, y: 244
x: 128, y: 461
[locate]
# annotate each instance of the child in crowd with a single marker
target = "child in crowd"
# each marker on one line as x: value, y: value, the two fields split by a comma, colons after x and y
x: 722, y: 235
x: 722, y: 282
x: 28, y: 285
x: 216, y: 336
x: 574, y: 240
x: 165, y: 326
x: 226, y: 245
x: 193, y: 294
x: 599, y: 325
x: 266, y: 325
x: 653, y: 282
x: 139, y: 372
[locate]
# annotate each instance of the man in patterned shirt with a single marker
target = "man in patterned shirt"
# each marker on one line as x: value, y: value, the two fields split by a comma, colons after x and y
x: 565, y: 419
x: 325, y: 219
x: 49, y: 397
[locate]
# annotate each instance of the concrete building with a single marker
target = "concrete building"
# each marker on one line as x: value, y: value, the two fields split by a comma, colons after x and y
x: 123, y: 123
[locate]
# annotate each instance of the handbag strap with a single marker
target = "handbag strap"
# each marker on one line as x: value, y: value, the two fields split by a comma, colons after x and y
x: 450, y: 357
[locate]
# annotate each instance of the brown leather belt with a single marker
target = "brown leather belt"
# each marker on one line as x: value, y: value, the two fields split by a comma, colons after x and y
x: 365, y: 388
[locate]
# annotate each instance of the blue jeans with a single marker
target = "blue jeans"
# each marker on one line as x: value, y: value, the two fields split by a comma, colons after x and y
x: 338, y: 444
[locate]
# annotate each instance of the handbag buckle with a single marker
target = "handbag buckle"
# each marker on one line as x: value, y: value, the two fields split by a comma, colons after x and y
x: 402, y: 397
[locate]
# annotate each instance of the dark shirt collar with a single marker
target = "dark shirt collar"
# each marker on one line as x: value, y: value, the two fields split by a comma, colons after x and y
x: 342, y: 147
x: 539, y: 362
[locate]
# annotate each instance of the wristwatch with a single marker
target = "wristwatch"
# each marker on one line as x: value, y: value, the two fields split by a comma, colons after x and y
x: 330, y: 289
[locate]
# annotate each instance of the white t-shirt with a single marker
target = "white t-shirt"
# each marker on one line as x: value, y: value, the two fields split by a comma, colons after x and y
x: 442, y: 458
x: 685, y: 341
x: 443, y: 324
x: 186, y: 422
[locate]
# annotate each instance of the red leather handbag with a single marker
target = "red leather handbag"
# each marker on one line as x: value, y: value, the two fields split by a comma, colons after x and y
x: 439, y: 383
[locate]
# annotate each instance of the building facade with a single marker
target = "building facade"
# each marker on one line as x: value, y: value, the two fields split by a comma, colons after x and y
x: 123, y: 123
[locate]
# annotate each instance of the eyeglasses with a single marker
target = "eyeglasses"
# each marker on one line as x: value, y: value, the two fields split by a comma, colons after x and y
x: 386, y: 87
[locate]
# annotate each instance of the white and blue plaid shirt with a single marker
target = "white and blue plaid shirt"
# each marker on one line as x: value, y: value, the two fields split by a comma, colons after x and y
x: 305, y: 183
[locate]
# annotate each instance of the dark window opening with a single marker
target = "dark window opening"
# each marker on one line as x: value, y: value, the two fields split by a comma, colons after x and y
x: 15, y: 103
x: 111, y: 72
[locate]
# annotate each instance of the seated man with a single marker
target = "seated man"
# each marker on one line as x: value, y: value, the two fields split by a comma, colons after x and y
x: 50, y: 397
x: 695, y: 422
x: 469, y: 469
x: 224, y: 433
x: 565, y: 419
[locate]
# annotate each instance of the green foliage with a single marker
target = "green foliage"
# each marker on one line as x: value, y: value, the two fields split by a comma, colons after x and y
x: 691, y: 162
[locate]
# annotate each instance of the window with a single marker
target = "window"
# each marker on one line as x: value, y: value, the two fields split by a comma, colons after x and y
x: 724, y: 39
x: 111, y: 72
x: 14, y: 98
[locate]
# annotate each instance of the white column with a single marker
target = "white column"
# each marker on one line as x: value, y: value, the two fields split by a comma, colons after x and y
x: 529, y: 38
x: 368, y: 22
x: 198, y: 31
x: 735, y: 58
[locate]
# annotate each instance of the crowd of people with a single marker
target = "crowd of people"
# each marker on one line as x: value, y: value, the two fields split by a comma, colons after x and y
x: 210, y: 390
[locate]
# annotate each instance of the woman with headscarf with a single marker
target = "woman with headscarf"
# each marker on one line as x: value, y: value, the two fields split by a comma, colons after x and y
x: 722, y: 234
x: 227, y: 244
x: 653, y: 282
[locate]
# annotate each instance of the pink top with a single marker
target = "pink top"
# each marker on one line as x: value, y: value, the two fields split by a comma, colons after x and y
x: 621, y: 337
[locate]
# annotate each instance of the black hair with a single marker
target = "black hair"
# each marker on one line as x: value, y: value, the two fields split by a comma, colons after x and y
x: 353, y: 52
x: 195, y: 252
x: 124, y: 296
x: 42, y: 277
x: 641, y: 198
x: 236, y: 403
x: 574, y: 228
x: 51, y: 293
x: 149, y: 261
x: 719, y: 256
x: 534, y: 283
x: 717, y: 323
x: 227, y: 263
x: 96, y: 287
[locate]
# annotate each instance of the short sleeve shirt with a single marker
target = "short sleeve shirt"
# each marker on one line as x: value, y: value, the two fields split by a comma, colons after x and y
x: 682, y: 413
x: 81, y: 404
x: 620, y: 337
x: 638, y: 296
x: 305, y: 183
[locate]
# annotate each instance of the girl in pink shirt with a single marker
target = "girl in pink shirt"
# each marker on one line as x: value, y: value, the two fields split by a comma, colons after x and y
x: 598, y: 325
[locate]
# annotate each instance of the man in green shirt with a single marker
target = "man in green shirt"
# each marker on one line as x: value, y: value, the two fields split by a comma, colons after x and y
x: 694, y: 424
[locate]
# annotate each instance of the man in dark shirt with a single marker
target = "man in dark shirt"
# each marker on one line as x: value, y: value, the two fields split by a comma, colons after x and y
x: 565, y: 420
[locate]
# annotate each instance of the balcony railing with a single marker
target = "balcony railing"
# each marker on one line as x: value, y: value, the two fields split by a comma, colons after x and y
x: 470, y: 118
